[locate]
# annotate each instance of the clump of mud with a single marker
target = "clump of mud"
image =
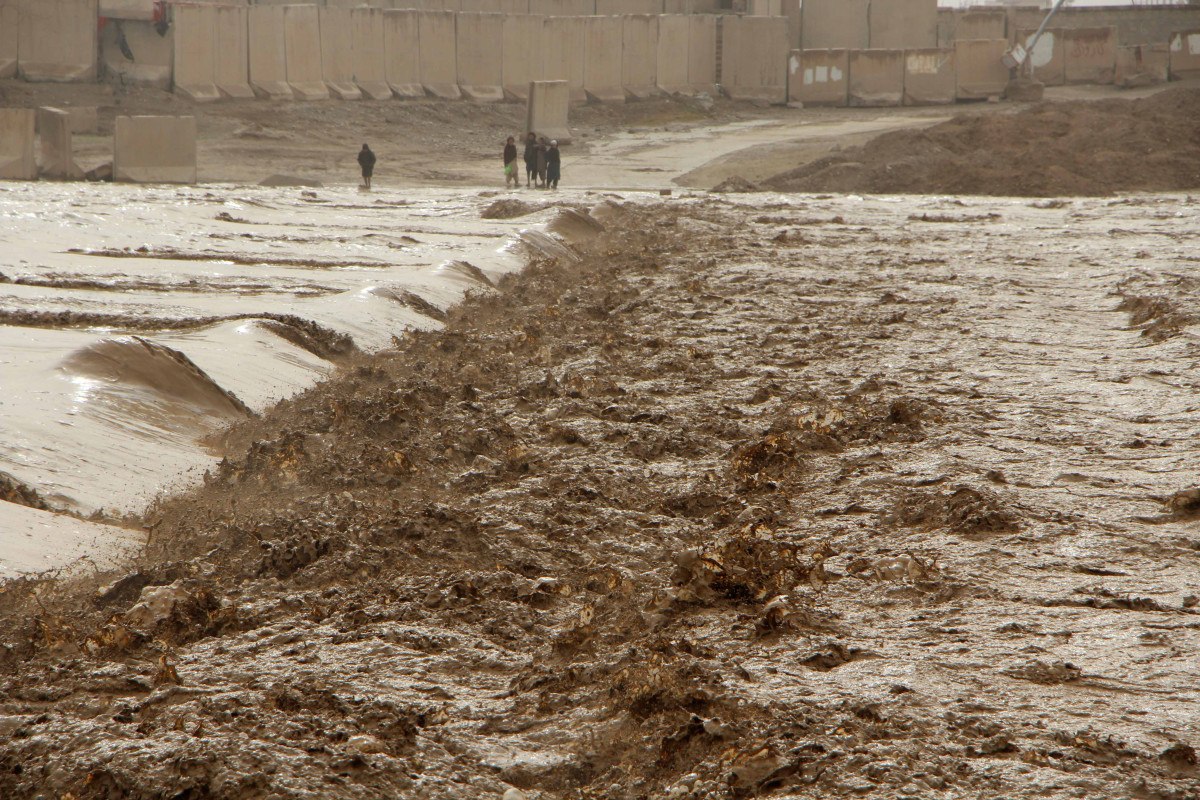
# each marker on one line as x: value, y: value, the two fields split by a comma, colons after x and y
x: 509, y: 208
x: 736, y: 185
x: 13, y: 491
x: 963, y: 510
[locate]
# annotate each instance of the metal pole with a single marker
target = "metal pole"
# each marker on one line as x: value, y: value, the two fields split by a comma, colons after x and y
x: 1042, y: 29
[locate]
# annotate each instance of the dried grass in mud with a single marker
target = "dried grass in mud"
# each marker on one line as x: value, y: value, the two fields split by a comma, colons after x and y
x: 702, y: 514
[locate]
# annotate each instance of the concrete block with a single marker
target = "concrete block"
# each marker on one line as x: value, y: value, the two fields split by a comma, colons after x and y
x: 672, y: 54
x: 16, y: 144
x: 902, y: 24
x: 83, y: 119
x: 702, y: 52
x: 563, y: 45
x: 268, y: 52
x: 754, y: 58
x: 562, y: 8
x: 497, y: 7
x: 337, y: 53
x: 195, y: 58
x: 1142, y: 65
x: 1091, y: 54
x: 142, y: 10
x: 57, y: 40
x: 233, y: 45
x: 1048, y: 59
x: 437, y: 53
x: 521, y: 53
x: 302, y: 40
x: 691, y: 6
x: 981, y: 73
x: 602, y: 60
x: 479, y: 43
x: 876, y: 78
x: 58, y: 154
x: 370, y: 62
x: 402, y: 53
x: 834, y: 25
x: 547, y: 108
x: 152, y: 54
x: 639, y: 55
x: 981, y: 25
x: 1185, y: 55
x: 624, y: 7
x: 930, y: 77
x: 9, y: 24
x: 155, y: 150
x: 819, y: 77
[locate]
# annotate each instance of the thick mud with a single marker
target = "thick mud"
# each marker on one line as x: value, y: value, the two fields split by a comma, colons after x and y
x: 744, y: 497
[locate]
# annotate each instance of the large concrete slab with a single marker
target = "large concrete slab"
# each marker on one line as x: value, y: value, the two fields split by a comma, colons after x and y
x: 370, y: 62
x: 1185, y: 55
x: 142, y: 10
x: 521, y: 53
x: 981, y: 25
x: 672, y: 54
x: 132, y: 52
x: 902, y: 24
x: 930, y: 77
x: 563, y: 46
x: 1091, y: 54
x: 981, y: 72
x: 754, y: 58
x: 496, y: 7
x: 54, y: 138
x: 268, y: 52
x: 402, y: 53
x: 819, y: 77
x: 1142, y: 65
x: 835, y: 25
x: 302, y: 37
x: 17, y: 162
x: 195, y: 58
x: 479, y: 43
x: 9, y: 24
x: 438, y: 54
x: 639, y: 55
x: 562, y: 8
x: 876, y: 78
x: 233, y: 45
x: 57, y: 40
x: 625, y: 7
x: 547, y: 108
x: 1047, y: 59
x: 702, y: 52
x: 602, y: 60
x: 155, y: 150
x: 337, y: 53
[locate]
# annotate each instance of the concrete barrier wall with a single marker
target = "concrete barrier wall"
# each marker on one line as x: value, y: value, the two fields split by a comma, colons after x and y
x: 930, y: 77
x: 602, y: 59
x: 16, y: 144
x: 142, y: 10
x: 496, y: 7
x: 622, y: 7
x: 834, y: 25
x: 819, y: 77
x: 302, y: 38
x: 562, y: 8
x: 56, y: 40
x: 54, y: 136
x: 134, y: 53
x: 639, y: 55
x: 563, y: 45
x: 268, y: 52
x: 195, y: 56
x: 9, y: 23
x: 981, y: 73
x: 402, y: 52
x: 954, y: 25
x: 1091, y: 55
x: 1185, y: 55
x: 1147, y: 24
x: 337, y: 53
x: 902, y: 24
x: 155, y: 150
x: 479, y: 44
x: 876, y: 78
x: 521, y: 52
x: 754, y: 56
x: 233, y: 48
x: 672, y: 55
x: 438, y: 54
x: 1048, y: 59
x: 370, y: 64
x: 1142, y: 65
x: 702, y: 52
x: 546, y: 112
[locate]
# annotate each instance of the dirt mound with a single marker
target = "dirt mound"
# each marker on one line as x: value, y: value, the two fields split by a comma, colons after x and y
x: 1086, y: 148
x: 736, y: 185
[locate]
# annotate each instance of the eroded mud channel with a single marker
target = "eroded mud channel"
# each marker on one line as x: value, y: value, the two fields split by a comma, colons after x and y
x: 755, y: 497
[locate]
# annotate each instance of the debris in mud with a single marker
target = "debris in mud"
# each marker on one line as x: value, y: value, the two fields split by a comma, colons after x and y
x: 1047, y: 673
x: 510, y: 208
x: 964, y: 510
x: 1185, y: 504
x: 736, y: 185
x: 13, y: 491
x: 1159, y: 317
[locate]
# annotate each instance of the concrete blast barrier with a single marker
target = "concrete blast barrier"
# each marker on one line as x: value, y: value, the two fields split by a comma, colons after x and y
x: 876, y: 78
x: 56, y: 40
x: 1185, y: 55
x: 981, y: 25
x: 337, y: 53
x: 54, y: 133
x: 903, y: 24
x: 602, y: 60
x: 195, y: 58
x: 754, y: 56
x: 268, y: 52
x: 639, y: 55
x: 627, y: 7
x: 819, y: 77
x: 155, y: 150
x: 834, y: 25
x: 370, y: 64
x: 497, y: 7
x: 1091, y: 54
x: 702, y: 52
x: 562, y: 8
x: 402, y: 53
x: 16, y: 144
x: 1142, y: 65
x: 437, y: 54
x: 9, y: 25
x: 672, y: 54
x: 930, y: 77
x: 152, y: 55
x: 563, y: 46
x: 521, y: 54
x: 981, y: 73
x: 233, y: 49
x: 1048, y: 60
x: 546, y: 110
x: 479, y: 43
x: 302, y: 38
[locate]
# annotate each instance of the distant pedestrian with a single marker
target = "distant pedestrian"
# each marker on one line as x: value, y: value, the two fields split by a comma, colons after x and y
x: 542, y: 146
x: 553, y: 165
x: 530, y: 158
x: 366, y: 160
x: 511, y: 176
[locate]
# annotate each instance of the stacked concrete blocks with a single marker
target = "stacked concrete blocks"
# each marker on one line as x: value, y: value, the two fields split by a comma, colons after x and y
x: 702, y: 52
x: 479, y: 44
x: 981, y: 71
x: 930, y: 77
x: 835, y: 25
x: 370, y: 63
x: 195, y: 55
x: 56, y: 40
x: 602, y: 60
x: 562, y: 8
x: 233, y: 48
x: 902, y: 24
x: 337, y: 53
x: 495, y: 6
x: 564, y: 41
x: 754, y: 56
x: 9, y: 23
x: 1048, y: 58
x: 54, y: 135
x: 672, y: 68
x: 402, y: 53
x: 876, y: 78
x: 268, y: 52
x: 627, y: 7
x: 437, y: 53
x: 521, y: 51
x: 547, y: 108
x: 17, y: 161
x: 1142, y: 65
x: 639, y: 55
x: 819, y: 77
x: 1185, y: 55
x: 1091, y: 54
x: 155, y: 150
x: 982, y: 25
x: 302, y: 40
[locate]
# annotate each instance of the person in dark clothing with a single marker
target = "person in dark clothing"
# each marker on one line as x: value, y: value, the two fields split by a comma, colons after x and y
x: 530, y: 158
x: 366, y: 160
x: 553, y: 165
x: 510, y: 164
x: 542, y: 146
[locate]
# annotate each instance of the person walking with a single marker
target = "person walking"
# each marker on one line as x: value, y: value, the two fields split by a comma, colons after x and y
x: 530, y: 158
x: 553, y: 165
x: 366, y: 160
x: 510, y: 164
x: 542, y: 147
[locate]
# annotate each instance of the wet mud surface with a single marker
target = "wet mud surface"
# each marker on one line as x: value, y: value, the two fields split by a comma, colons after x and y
x: 749, y: 497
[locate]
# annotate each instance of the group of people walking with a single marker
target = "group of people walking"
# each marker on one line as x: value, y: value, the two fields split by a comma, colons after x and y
x: 543, y: 162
